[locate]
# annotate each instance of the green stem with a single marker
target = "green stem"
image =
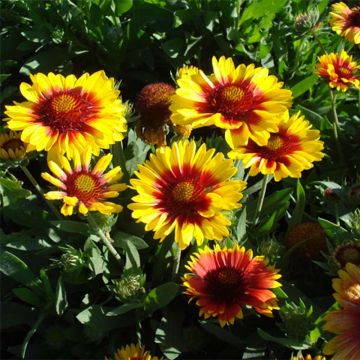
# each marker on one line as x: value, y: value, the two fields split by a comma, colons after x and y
x: 117, y: 151
x: 40, y: 191
x: 336, y: 125
x: 105, y: 239
x: 337, y: 216
x: 31, y: 333
x: 261, y: 199
x: 176, y: 264
x: 318, y: 41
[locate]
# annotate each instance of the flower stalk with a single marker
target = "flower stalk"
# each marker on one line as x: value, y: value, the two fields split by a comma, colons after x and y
x: 261, y: 199
x: 336, y: 126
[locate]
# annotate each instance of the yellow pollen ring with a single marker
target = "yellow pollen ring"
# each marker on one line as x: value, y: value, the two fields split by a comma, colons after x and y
x: 275, y: 142
x: 232, y: 93
x: 63, y: 103
x: 183, y: 191
x: 344, y: 70
x: 85, y: 183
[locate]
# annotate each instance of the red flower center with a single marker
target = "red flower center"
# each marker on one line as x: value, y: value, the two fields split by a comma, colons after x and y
x: 181, y: 193
x: 353, y: 19
x: 85, y: 186
x: 12, y: 144
x: 279, y: 146
x: 233, y: 101
x: 67, y: 110
x: 225, y: 284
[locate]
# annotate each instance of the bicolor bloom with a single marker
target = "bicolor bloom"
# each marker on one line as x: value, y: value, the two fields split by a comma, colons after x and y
x: 339, y: 70
x: 347, y: 253
x: 133, y: 352
x: 347, y: 286
x: 289, y: 151
x: 186, y: 190
x: 345, y: 21
x: 84, y: 187
x: 345, y: 323
x: 63, y: 115
x: 222, y: 281
x: 245, y: 101
x: 11, y: 146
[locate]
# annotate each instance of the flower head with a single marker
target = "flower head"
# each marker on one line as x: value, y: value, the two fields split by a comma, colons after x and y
x: 339, y: 70
x: 153, y: 105
x: 347, y: 253
x: 66, y: 114
x: 224, y: 280
x: 133, y: 352
x: 84, y: 187
x: 289, y: 151
x: 307, y: 357
x: 345, y: 21
x: 245, y: 100
x: 11, y: 146
x: 186, y: 190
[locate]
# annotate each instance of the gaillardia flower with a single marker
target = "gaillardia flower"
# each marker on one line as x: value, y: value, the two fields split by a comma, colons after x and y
x: 133, y: 352
x: 289, y: 151
x: 11, y: 146
x: 223, y: 280
x: 66, y: 114
x: 84, y: 187
x: 186, y: 190
x: 345, y: 21
x: 347, y: 286
x: 244, y: 100
x: 307, y: 357
x: 339, y: 70
x: 347, y: 253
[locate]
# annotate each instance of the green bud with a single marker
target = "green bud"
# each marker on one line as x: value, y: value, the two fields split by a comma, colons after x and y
x: 129, y: 286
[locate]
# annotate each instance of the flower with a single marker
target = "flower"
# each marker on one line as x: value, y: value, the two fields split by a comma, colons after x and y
x: 345, y: 323
x: 224, y: 280
x: 289, y: 151
x: 133, y: 352
x: 66, y: 114
x: 185, y: 190
x: 347, y: 286
x: 309, y: 236
x: 307, y: 357
x: 345, y: 21
x: 245, y: 101
x: 84, y: 187
x: 11, y: 146
x: 347, y: 253
x: 338, y: 70
x: 153, y: 105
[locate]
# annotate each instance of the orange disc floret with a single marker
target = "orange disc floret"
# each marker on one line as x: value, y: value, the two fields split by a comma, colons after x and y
x: 11, y: 146
x: 222, y: 281
x: 133, y: 352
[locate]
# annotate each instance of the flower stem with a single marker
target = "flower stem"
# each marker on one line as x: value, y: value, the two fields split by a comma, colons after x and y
x: 318, y: 41
x: 40, y: 191
x: 261, y: 199
x: 336, y: 126
x: 105, y: 239
x: 176, y: 264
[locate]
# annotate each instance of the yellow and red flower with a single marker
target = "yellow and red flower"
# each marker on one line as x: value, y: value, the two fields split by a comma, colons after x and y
x: 84, y: 187
x: 223, y: 280
x: 345, y: 21
x: 66, y: 114
x: 339, y: 70
x: 347, y: 286
x: 133, y: 352
x: 345, y: 323
x: 245, y: 101
x: 11, y: 146
x: 186, y: 190
x: 289, y: 151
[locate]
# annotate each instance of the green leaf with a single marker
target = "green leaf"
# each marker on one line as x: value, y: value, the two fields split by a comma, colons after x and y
x: 61, y: 303
x: 123, y: 309
x: 97, y: 263
x: 289, y: 343
x: 132, y: 256
x: 11, y: 189
x: 14, y: 314
x: 334, y: 231
x: 120, y: 239
x: 27, y: 296
x: 241, y: 226
x: 298, y: 212
x: 122, y: 6
x: 304, y: 85
x: 160, y: 296
x: 15, y: 268
x: 70, y: 226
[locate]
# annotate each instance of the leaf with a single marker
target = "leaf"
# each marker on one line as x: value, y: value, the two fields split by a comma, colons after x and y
x: 96, y: 261
x: 123, y: 309
x: 120, y: 239
x: 241, y: 226
x: 304, y: 85
x: 15, y: 268
x: 122, y: 6
x: 27, y: 296
x: 71, y: 226
x: 61, y: 303
x: 160, y: 296
x: 334, y: 231
x: 289, y: 343
x: 23, y: 241
x: 11, y: 190
x: 132, y: 256
x: 14, y: 314
x: 298, y: 212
